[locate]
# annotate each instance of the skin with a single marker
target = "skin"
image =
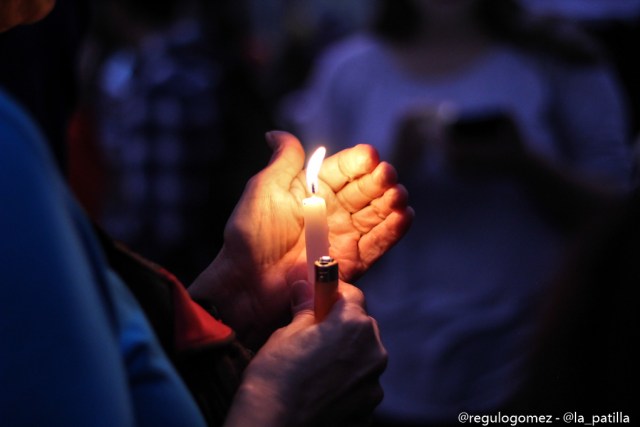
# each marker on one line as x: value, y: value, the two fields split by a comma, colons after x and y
x: 254, y: 280
x: 17, y: 12
x: 328, y: 371
x: 264, y: 249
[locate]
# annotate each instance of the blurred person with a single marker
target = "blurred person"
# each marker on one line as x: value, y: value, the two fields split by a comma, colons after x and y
x: 291, y: 34
x: 510, y: 133
x: 79, y: 349
x: 586, y: 10
x: 174, y: 115
x: 616, y: 24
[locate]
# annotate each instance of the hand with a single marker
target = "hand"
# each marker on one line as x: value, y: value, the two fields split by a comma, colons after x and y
x: 315, y: 374
x: 264, y: 241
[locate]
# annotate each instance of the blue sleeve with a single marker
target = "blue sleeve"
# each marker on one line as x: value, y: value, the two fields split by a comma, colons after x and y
x: 75, y: 348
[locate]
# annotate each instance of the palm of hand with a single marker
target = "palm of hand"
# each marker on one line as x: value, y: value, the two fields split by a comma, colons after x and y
x: 264, y: 240
x: 265, y: 237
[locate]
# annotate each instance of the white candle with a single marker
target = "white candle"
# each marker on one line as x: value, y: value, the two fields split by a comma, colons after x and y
x: 316, y: 230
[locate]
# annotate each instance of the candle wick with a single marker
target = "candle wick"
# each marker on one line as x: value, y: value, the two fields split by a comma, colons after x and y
x: 313, y: 188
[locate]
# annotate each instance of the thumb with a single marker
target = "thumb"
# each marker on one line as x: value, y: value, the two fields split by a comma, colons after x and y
x: 301, y: 298
x: 287, y: 159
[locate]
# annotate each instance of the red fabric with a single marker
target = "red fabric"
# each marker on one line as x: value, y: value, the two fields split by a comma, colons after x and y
x: 194, y: 327
x: 86, y: 170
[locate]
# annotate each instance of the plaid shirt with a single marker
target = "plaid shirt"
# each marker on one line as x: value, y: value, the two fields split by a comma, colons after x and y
x: 159, y: 134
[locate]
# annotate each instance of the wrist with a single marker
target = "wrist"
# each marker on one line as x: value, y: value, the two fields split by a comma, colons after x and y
x: 218, y: 285
x: 258, y: 403
x: 224, y: 288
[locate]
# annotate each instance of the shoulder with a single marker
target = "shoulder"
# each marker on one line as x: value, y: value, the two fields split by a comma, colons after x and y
x: 29, y: 177
x: 350, y: 66
x: 20, y: 138
x: 13, y: 121
x: 563, y: 80
x: 583, y: 85
x: 354, y: 51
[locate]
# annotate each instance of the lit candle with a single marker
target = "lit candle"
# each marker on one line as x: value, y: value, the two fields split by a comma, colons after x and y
x: 316, y: 230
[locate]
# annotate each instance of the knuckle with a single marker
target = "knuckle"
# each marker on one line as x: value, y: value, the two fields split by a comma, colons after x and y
x: 381, y: 366
x: 357, y: 323
x: 357, y: 296
x: 352, y: 294
x: 383, y: 360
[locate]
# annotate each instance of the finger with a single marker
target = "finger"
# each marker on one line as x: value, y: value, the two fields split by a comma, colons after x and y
x: 301, y: 305
x: 298, y: 271
x: 359, y: 193
x: 394, y: 199
x: 287, y: 159
x: 383, y: 236
x: 301, y: 297
x: 350, y: 301
x: 348, y: 165
x: 351, y: 294
x: 376, y: 331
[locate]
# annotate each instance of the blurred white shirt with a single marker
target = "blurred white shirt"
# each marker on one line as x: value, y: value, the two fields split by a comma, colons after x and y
x: 587, y: 10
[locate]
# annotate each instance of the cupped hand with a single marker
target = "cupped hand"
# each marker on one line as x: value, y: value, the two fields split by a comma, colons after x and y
x: 264, y: 247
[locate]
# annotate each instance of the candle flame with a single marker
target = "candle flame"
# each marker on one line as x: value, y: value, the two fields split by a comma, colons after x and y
x: 313, y: 169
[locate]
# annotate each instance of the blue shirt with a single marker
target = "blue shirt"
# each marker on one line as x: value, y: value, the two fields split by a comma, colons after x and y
x: 75, y: 348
